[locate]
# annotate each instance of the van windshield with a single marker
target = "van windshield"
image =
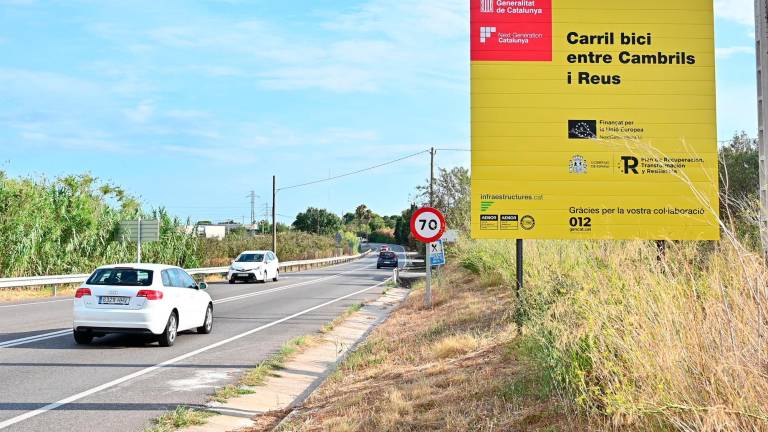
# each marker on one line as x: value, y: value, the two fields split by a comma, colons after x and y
x: 250, y: 258
x: 121, y: 277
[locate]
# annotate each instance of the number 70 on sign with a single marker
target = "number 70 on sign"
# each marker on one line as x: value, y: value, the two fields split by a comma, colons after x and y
x: 427, y: 225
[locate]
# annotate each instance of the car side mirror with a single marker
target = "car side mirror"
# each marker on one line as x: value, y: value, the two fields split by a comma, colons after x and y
x: 203, y: 286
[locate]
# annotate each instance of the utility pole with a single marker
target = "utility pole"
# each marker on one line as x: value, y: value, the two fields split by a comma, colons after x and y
x: 761, y: 45
x: 253, y: 207
x: 266, y: 218
x: 427, y: 246
x: 274, y: 214
x: 432, y: 177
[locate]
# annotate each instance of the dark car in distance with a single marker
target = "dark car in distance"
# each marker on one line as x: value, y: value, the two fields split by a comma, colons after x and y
x: 387, y: 259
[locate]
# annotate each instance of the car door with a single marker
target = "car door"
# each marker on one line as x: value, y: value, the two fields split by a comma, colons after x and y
x: 182, y: 297
x: 197, y: 301
x: 273, y: 265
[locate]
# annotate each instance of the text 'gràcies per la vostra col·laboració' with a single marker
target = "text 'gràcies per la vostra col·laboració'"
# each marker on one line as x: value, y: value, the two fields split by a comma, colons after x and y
x: 625, y: 57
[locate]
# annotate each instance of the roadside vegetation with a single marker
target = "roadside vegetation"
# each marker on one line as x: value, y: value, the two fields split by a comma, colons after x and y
x: 454, y: 367
x: 70, y: 225
x: 179, y: 418
x: 612, y: 337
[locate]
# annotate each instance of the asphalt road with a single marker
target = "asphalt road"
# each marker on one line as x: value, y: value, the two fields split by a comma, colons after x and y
x: 120, y: 383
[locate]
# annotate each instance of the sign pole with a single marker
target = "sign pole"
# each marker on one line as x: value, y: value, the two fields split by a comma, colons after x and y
x: 428, y: 226
x: 428, y: 246
x: 138, y: 243
x: 428, y: 291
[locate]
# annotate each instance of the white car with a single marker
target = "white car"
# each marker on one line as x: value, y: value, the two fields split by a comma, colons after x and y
x: 149, y: 299
x: 254, y: 265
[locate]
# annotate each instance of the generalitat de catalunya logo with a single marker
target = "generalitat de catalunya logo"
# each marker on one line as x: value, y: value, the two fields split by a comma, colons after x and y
x: 582, y: 129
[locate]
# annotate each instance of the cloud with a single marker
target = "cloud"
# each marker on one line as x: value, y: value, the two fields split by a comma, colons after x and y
x: 335, y: 78
x: 142, y: 113
x: 728, y: 52
x: 67, y: 137
x: 369, y: 47
x: 18, y: 81
x: 738, y: 11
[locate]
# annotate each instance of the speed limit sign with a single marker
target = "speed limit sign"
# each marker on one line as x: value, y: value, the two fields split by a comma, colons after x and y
x: 427, y: 225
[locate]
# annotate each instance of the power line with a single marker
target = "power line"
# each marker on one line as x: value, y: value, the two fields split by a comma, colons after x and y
x: 354, y: 172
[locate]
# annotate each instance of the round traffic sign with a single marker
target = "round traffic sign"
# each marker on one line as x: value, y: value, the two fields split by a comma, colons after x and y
x: 427, y: 225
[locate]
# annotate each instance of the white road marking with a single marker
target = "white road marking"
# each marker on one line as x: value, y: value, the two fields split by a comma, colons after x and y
x: 57, y: 334
x: 34, y: 304
x: 271, y: 290
x: 30, y: 339
x: 73, y: 398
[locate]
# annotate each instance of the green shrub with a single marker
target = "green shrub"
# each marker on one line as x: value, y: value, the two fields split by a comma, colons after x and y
x: 70, y: 225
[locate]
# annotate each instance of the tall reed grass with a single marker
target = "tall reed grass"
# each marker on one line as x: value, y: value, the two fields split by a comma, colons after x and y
x: 70, y: 225
x: 641, y: 344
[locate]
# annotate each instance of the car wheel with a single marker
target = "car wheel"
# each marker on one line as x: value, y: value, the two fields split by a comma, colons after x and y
x: 378, y: 267
x: 232, y: 281
x: 168, y: 338
x: 277, y: 276
x: 83, y: 338
x: 208, y: 323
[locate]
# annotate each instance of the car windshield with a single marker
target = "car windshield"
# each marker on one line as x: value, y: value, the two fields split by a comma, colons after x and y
x: 121, y: 276
x: 387, y: 255
x: 250, y: 258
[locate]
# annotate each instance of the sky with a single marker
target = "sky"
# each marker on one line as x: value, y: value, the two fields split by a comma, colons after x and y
x: 192, y: 104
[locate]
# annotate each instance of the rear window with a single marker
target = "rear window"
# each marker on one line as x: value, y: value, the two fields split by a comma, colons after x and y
x: 121, y: 277
x: 250, y: 258
x: 387, y: 255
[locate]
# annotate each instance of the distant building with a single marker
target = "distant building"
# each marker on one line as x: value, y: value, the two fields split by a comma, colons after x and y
x: 221, y: 230
x: 208, y: 231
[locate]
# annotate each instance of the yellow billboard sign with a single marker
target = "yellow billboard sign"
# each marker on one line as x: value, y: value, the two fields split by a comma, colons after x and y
x: 594, y: 119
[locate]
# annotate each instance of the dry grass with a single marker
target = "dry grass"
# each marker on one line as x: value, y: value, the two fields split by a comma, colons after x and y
x: 640, y: 345
x: 35, y: 293
x: 453, y: 346
x: 678, y: 346
x: 448, y: 368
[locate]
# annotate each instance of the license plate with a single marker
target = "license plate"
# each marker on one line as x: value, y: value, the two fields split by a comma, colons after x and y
x: 244, y: 274
x: 115, y: 300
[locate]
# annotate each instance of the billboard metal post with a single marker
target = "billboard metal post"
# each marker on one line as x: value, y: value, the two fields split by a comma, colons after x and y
x: 761, y: 49
x: 519, y: 284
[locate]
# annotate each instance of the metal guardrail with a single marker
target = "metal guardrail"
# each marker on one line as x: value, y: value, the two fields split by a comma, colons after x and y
x: 288, y: 266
